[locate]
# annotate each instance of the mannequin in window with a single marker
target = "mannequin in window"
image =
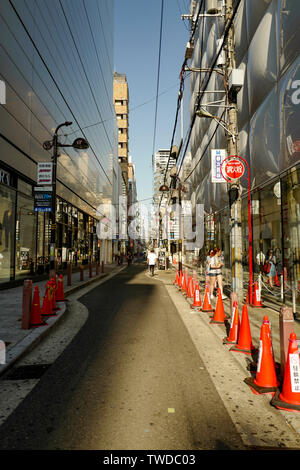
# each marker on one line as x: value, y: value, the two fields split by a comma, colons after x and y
x: 7, y: 224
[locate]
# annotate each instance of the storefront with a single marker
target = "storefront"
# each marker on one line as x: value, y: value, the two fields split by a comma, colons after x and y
x: 275, y: 226
x: 25, y: 235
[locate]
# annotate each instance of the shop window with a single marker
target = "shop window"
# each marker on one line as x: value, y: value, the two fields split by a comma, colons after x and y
x: 25, y: 235
x: 291, y: 230
x: 7, y: 231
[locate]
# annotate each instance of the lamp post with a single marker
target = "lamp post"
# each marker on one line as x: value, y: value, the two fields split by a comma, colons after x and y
x: 79, y: 144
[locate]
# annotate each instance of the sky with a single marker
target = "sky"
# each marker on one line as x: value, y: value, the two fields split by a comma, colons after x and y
x: 136, y: 54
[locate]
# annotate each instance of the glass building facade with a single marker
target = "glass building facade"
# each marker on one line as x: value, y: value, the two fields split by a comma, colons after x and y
x: 56, y: 60
x: 267, y: 49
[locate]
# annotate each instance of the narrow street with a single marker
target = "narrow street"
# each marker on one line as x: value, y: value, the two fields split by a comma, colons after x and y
x: 130, y: 379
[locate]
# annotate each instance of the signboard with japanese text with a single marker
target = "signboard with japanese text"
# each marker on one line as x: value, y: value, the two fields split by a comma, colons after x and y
x: 44, y: 173
x: 217, y: 156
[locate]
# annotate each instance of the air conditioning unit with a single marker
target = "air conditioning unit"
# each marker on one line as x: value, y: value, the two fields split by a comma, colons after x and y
x: 236, y: 80
x: 189, y: 50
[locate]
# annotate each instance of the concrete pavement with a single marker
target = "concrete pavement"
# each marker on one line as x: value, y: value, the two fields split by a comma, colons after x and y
x: 19, y: 341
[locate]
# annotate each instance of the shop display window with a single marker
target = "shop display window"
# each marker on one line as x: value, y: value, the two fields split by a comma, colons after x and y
x: 25, y: 235
x: 7, y: 232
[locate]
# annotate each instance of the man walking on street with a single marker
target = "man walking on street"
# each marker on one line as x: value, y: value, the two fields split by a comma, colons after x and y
x: 151, y: 261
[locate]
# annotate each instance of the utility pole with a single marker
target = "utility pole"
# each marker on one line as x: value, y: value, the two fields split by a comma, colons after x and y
x: 233, y: 188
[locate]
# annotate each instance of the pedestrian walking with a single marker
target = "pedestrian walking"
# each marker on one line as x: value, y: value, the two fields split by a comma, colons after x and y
x: 213, y: 271
x: 209, y: 255
x: 220, y: 264
x: 151, y: 261
x: 271, y: 259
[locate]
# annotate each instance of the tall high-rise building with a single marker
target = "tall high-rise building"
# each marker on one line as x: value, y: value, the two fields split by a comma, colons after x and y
x: 163, y: 162
x: 121, y: 103
x: 56, y: 64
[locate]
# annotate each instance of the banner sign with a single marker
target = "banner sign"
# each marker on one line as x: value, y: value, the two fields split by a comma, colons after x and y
x: 44, y: 173
x: 217, y: 156
x: 42, y: 200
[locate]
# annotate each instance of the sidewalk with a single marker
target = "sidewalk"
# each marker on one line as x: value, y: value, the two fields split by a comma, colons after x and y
x: 17, y: 340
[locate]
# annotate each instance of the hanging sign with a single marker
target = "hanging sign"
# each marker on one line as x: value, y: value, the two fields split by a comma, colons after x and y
x: 217, y: 157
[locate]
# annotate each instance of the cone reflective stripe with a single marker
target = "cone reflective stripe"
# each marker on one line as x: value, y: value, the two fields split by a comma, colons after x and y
x: 256, y: 297
x: 234, y: 326
x: 206, y: 302
x: 265, y: 380
x: 244, y: 344
x: 60, y: 296
x: 36, y: 313
x: 197, y: 297
x: 289, y: 397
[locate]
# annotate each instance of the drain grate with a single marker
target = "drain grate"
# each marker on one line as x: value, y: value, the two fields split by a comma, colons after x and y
x: 32, y: 371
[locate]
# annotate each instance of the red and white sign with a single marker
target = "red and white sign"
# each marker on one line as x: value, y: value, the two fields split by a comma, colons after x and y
x: 44, y: 173
x: 234, y: 169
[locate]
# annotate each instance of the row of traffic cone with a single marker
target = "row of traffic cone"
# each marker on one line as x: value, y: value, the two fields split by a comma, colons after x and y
x: 54, y: 292
x: 265, y: 381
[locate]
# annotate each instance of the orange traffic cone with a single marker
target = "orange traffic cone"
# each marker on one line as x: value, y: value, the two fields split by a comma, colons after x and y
x: 219, y: 315
x: 60, y: 296
x: 47, y: 307
x: 234, y: 326
x: 179, y: 280
x: 190, y: 288
x: 256, y: 297
x: 265, y: 380
x: 289, y: 398
x: 247, y: 301
x: 54, y: 288
x: 277, y: 283
x: 35, y: 314
x: 197, y: 297
x: 244, y: 344
x: 206, y: 302
x: 176, y: 278
x: 183, y: 284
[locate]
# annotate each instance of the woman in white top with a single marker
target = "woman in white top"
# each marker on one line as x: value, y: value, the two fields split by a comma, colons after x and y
x: 220, y: 263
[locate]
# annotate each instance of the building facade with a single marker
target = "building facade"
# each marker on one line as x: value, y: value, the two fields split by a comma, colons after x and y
x: 57, y: 65
x: 267, y: 49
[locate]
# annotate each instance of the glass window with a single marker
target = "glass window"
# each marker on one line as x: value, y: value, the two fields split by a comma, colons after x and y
x: 7, y: 231
x: 291, y: 230
x: 25, y: 235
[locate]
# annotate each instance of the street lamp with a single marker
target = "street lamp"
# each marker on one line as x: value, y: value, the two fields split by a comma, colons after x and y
x: 78, y: 144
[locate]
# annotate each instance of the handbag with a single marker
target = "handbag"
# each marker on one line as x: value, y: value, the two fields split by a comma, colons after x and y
x: 267, y: 268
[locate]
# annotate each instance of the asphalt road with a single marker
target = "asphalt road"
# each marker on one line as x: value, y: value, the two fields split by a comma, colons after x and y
x: 131, y: 379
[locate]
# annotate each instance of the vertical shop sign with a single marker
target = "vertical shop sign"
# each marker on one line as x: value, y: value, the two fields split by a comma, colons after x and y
x: 217, y: 156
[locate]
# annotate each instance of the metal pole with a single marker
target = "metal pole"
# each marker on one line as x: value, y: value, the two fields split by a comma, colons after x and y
x: 236, y: 208
x: 53, y: 211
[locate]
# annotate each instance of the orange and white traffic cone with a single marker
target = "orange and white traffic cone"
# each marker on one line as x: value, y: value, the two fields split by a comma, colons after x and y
x: 183, y: 285
x: 197, y: 297
x: 265, y: 380
x: 36, y: 312
x: 60, y: 296
x: 179, y: 280
x: 244, y: 344
x: 190, y: 288
x: 176, y: 278
x: 289, y: 398
x: 256, y: 296
x: 46, y: 307
x: 234, y: 326
x: 207, y: 308
x: 219, y: 316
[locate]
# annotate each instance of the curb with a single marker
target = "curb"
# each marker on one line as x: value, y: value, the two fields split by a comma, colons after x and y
x: 36, y: 335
